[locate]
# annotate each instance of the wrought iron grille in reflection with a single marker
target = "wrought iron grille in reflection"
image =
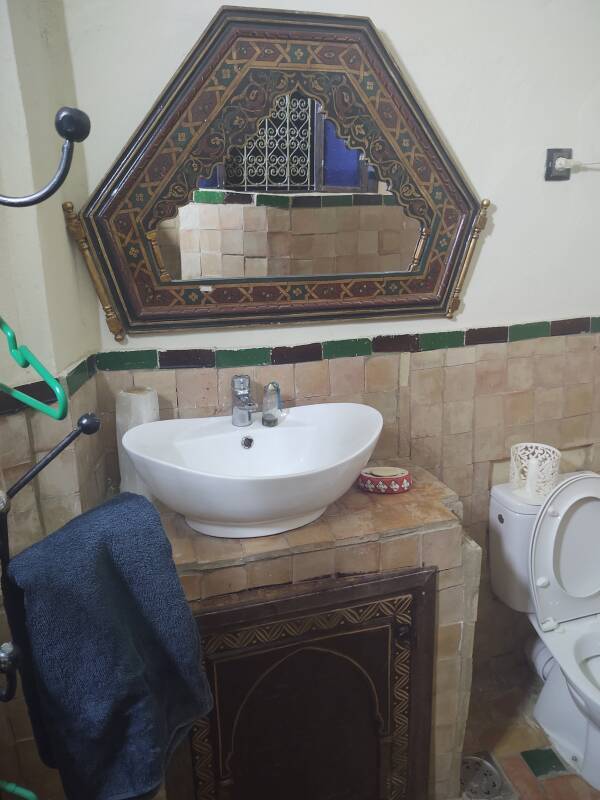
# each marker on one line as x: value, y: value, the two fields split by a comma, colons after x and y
x: 281, y: 155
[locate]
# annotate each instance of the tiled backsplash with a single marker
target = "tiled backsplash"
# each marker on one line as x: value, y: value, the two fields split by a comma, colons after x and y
x: 452, y: 402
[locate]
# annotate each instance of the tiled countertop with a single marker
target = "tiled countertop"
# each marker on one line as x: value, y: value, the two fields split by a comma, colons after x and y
x: 356, y: 518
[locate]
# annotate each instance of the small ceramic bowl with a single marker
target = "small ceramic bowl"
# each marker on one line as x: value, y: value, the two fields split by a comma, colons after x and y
x: 385, y: 480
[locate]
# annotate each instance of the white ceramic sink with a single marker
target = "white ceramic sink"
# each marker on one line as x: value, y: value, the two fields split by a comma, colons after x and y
x: 286, y: 477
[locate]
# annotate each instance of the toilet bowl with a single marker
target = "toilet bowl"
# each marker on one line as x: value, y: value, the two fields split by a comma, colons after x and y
x: 545, y: 561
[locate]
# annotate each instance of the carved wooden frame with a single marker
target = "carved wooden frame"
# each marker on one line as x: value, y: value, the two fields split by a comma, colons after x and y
x: 229, y: 81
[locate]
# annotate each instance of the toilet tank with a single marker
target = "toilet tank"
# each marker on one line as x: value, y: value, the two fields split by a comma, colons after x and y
x: 510, y: 528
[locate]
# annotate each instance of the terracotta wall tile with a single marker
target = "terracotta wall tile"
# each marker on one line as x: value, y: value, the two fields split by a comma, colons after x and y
x: 427, y: 452
x: 549, y: 370
x: 550, y: 346
x: 403, y: 551
x: 442, y: 549
x: 312, y: 379
x: 458, y: 416
x: 269, y: 572
x: 359, y: 558
x: 518, y: 408
x: 578, y: 399
x: 426, y: 386
x: 426, y: 420
x: 461, y: 355
x: 347, y: 375
x: 519, y: 374
x: 491, y: 352
x: 315, y: 564
x: 196, y: 388
x: 428, y: 359
x: 382, y: 372
x: 459, y: 382
x: 490, y: 376
x: 224, y: 581
x: 489, y: 411
x: 549, y: 403
x: 457, y: 450
x: 488, y: 444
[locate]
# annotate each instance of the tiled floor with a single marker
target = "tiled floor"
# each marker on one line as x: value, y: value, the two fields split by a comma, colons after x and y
x: 501, y: 722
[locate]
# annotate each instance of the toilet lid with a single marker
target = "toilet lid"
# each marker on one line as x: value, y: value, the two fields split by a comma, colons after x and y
x: 564, y: 558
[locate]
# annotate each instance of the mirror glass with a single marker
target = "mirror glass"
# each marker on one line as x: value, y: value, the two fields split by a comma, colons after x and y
x: 294, y: 200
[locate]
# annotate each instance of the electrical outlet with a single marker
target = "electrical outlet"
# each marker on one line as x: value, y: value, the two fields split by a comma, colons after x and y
x: 553, y: 174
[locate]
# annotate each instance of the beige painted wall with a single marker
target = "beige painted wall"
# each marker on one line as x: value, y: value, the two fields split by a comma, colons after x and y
x: 502, y: 80
x: 45, y: 293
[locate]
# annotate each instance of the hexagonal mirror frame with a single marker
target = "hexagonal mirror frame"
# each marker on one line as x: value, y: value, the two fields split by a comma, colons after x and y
x: 245, y: 60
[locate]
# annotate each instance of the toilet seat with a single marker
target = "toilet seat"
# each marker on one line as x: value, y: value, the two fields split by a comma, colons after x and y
x: 564, y: 557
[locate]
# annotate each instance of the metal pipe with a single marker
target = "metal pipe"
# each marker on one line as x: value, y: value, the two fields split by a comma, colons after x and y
x: 87, y: 424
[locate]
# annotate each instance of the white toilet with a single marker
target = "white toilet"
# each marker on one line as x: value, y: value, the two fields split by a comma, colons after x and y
x: 545, y: 561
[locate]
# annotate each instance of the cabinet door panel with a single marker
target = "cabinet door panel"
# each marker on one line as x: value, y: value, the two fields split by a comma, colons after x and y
x: 324, y: 696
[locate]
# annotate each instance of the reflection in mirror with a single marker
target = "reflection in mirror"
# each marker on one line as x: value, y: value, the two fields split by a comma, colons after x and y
x: 223, y: 240
x: 323, y: 211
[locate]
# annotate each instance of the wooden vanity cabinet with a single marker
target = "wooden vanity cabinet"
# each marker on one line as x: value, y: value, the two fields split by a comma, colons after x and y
x: 322, y: 691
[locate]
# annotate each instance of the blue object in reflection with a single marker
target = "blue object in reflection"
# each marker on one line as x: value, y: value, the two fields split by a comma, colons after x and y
x: 341, y: 165
x: 209, y: 183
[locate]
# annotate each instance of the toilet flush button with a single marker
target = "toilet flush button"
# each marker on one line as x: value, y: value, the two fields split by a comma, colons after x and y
x: 549, y: 624
x: 542, y: 582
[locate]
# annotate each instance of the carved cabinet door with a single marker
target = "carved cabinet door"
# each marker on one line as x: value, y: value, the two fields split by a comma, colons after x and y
x: 322, y: 692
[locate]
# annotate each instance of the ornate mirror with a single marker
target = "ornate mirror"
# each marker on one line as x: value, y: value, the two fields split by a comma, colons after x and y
x: 285, y: 173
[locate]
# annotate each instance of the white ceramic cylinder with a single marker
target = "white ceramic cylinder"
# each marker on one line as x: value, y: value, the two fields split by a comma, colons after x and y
x: 134, y: 407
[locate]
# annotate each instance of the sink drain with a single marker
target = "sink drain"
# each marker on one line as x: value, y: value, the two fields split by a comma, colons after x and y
x: 482, y: 779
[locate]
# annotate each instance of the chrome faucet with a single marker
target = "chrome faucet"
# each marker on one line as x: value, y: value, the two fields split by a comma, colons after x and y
x: 242, y: 405
x: 271, y: 407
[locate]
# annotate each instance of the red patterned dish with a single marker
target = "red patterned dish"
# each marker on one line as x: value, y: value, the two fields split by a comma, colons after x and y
x: 385, y: 480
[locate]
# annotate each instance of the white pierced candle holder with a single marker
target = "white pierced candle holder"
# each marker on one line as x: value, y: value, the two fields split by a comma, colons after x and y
x: 534, y: 469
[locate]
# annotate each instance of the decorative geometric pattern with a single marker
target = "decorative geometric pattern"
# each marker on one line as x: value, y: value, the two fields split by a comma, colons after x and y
x: 235, y: 77
x: 398, y: 608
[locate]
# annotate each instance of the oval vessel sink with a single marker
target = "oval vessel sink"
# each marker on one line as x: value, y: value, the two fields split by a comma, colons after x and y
x: 255, y: 481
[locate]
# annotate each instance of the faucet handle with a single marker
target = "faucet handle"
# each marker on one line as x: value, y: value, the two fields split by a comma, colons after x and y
x: 240, y: 384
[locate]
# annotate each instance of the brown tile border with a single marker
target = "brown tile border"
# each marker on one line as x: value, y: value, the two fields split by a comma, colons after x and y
x: 402, y: 343
x: 298, y: 354
x: 562, y: 327
x: 486, y: 335
x: 185, y: 359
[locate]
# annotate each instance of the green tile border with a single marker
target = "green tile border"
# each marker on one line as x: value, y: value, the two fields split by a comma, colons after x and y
x: 263, y: 356
x: 210, y: 196
x: 78, y: 377
x: 251, y: 357
x: 127, y: 359
x: 442, y: 340
x: 343, y: 348
x: 273, y: 200
x: 335, y: 200
x: 529, y: 330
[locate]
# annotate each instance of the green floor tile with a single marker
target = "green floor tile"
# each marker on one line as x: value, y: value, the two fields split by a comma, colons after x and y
x: 543, y: 763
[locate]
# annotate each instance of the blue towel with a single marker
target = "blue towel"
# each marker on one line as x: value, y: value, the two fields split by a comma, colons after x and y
x: 112, y: 662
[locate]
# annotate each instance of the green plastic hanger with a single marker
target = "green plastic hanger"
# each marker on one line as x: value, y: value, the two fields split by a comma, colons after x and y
x: 25, y: 358
x: 12, y: 788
